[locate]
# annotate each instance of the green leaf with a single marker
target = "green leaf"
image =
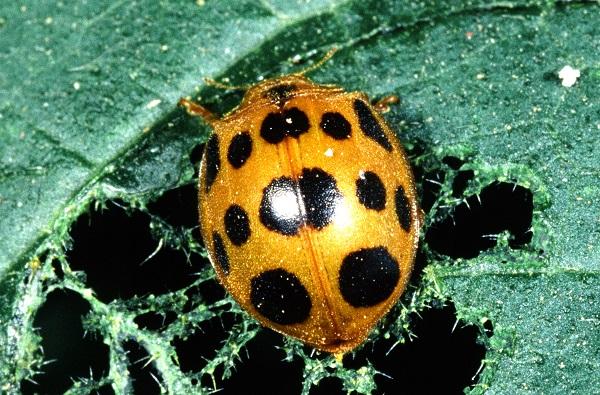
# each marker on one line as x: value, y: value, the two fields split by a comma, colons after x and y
x: 88, y: 114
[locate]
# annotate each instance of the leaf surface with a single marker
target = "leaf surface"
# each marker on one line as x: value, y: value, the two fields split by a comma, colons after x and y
x: 88, y: 95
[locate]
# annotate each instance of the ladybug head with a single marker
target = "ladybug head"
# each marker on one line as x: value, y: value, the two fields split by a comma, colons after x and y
x: 278, y: 90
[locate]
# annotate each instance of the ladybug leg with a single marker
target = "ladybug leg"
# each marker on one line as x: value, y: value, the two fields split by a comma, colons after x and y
x: 421, y: 215
x: 339, y: 357
x: 197, y: 110
x: 383, y: 104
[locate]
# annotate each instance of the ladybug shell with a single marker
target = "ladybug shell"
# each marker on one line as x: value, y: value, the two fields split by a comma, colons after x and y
x: 308, y: 210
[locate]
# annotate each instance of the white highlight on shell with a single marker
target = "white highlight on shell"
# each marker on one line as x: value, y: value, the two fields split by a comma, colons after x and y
x: 342, y: 217
x: 329, y: 152
x: 285, y: 204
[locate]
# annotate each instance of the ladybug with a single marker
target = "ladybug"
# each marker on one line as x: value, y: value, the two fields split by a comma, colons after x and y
x: 308, y: 209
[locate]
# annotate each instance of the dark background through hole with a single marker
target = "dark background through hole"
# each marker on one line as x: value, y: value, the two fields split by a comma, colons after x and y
x: 442, y: 349
x: 110, y: 246
x: 473, y: 225
x: 71, y: 354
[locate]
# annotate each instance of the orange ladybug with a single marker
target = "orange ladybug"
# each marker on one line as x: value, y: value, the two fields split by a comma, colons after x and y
x: 308, y: 210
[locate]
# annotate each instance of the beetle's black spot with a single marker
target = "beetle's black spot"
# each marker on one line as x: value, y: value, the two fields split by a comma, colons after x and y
x: 368, y: 276
x: 272, y: 128
x: 321, y: 196
x: 237, y: 225
x: 213, y: 161
x: 279, y: 208
x: 335, y: 125
x: 278, y: 125
x: 403, y: 208
x: 369, y: 124
x: 280, y: 297
x: 280, y: 94
x: 296, y: 122
x: 240, y: 149
x: 220, y: 252
x: 370, y: 191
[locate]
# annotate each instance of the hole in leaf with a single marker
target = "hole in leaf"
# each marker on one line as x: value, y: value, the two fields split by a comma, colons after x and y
x: 474, y: 224
x: 178, y: 206
x: 453, y: 162
x: 155, y: 321
x: 56, y: 266
x: 113, y: 247
x: 488, y: 328
x: 144, y: 375
x: 328, y: 386
x: 104, y: 390
x: 419, y: 266
x: 442, y: 357
x: 211, y: 292
x: 69, y: 352
x: 196, y: 154
x: 202, y: 345
x: 262, y: 370
x: 461, y: 181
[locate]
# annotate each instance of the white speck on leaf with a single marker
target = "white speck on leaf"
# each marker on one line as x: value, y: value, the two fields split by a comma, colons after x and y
x: 152, y: 103
x: 568, y: 76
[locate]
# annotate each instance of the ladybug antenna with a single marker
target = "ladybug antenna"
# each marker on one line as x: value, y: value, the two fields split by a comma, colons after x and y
x: 318, y: 64
x: 221, y: 85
